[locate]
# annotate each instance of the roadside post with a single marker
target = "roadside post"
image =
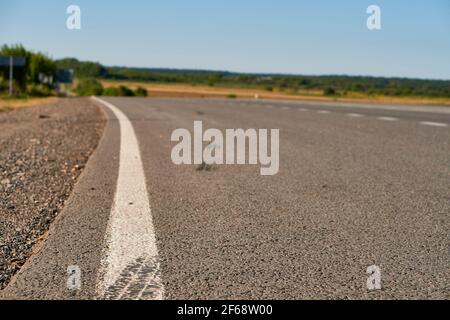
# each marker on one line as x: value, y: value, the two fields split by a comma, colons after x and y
x: 12, y: 62
x: 11, y: 75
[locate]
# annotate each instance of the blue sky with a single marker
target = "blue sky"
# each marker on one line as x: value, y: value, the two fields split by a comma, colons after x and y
x: 274, y: 36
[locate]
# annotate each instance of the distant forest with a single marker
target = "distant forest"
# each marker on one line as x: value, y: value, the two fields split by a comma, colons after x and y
x: 332, y: 85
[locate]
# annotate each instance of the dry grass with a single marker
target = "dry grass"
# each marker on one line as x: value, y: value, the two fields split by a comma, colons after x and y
x: 201, y: 91
x: 10, y: 104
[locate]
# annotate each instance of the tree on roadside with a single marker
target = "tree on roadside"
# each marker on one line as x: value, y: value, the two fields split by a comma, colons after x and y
x: 40, y: 64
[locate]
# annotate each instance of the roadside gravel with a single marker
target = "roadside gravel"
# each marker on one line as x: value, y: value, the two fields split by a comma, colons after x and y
x: 43, y: 150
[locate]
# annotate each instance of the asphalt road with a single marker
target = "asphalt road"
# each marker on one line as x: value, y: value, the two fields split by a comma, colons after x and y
x: 357, y: 186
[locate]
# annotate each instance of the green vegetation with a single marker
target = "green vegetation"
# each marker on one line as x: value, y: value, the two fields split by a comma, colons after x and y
x: 92, y: 87
x: 292, y: 84
x: 26, y: 78
x: 82, y: 69
x: 140, y: 92
x: 123, y: 91
x: 329, y: 92
x: 89, y: 87
x: 342, y: 85
x: 118, y: 92
x: 39, y: 90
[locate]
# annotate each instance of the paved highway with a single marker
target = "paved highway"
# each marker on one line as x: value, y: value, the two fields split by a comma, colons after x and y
x: 357, y: 186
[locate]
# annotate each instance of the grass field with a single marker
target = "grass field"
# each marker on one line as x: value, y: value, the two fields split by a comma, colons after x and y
x: 202, y: 91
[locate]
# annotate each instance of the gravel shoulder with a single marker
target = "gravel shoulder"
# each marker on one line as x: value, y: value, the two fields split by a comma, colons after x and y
x: 43, y: 150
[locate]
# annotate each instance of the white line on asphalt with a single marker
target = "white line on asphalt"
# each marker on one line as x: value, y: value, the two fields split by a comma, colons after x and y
x: 285, y: 108
x: 323, y: 111
x: 130, y: 237
x: 356, y: 115
x: 302, y: 109
x: 434, y: 124
x: 387, y: 118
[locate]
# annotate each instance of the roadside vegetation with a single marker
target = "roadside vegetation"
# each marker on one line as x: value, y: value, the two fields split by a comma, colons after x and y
x: 338, y: 86
x: 326, y: 86
x: 27, y: 79
x: 90, y: 79
x: 29, y: 84
x: 93, y: 87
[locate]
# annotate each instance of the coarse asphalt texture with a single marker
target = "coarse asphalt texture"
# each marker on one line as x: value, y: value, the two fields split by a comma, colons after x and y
x: 357, y: 186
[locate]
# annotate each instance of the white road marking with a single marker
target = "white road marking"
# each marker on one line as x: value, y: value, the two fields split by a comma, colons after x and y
x: 285, y: 108
x: 356, y: 115
x: 302, y: 109
x: 323, y: 111
x: 130, y: 237
x: 427, y: 109
x: 434, y: 124
x: 387, y: 118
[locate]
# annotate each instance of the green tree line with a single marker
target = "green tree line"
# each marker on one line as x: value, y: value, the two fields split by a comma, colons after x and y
x: 329, y: 85
x: 27, y: 78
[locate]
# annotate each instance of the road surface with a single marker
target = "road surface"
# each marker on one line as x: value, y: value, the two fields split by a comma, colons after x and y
x: 357, y: 186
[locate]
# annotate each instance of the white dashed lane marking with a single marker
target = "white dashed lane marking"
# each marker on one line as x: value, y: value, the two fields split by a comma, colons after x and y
x: 352, y: 115
x: 355, y: 115
x: 130, y: 265
x: 434, y: 124
x: 387, y: 118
